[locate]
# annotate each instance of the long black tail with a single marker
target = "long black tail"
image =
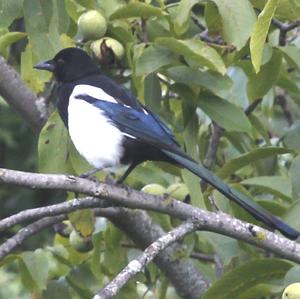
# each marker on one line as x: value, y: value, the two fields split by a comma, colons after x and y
x: 250, y: 206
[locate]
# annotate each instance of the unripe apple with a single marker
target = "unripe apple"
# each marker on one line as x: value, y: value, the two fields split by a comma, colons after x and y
x: 79, y: 243
x: 154, y: 189
x: 92, y: 25
x: 292, y: 291
x: 106, y: 47
x: 178, y: 191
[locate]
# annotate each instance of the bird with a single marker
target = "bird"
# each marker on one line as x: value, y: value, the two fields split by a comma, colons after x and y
x: 109, y: 127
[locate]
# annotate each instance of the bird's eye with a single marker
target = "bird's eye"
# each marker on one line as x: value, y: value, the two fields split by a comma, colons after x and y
x: 60, y: 61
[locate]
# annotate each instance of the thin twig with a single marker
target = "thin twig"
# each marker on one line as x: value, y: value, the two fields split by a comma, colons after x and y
x: 252, y: 106
x: 137, y: 264
x: 197, y: 22
x: 28, y: 231
x: 283, y: 103
x: 211, y: 154
x: 284, y: 29
x: 53, y: 210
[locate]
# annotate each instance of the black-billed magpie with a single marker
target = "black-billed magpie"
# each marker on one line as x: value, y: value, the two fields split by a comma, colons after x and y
x: 110, y: 127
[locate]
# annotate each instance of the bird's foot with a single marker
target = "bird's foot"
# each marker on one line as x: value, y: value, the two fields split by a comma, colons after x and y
x: 213, y: 204
x: 88, y: 174
x: 109, y: 179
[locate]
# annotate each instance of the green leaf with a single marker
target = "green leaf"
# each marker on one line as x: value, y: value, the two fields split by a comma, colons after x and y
x: 34, y: 270
x: 259, y: 84
x: 291, y: 137
x: 82, y: 280
x: 196, y: 50
x: 110, y: 6
x: 292, y: 216
x: 90, y: 4
x: 295, y: 175
x: 225, y: 114
x: 158, y: 28
x: 10, y: 10
x: 260, y: 32
x: 182, y: 15
x: 292, y: 275
x: 9, y: 38
x: 238, y: 19
x: 288, y: 10
x: 277, y: 185
x: 237, y: 94
x: 57, y: 289
x: 153, y: 58
x: 121, y: 31
x: 252, y: 273
x: 53, y: 147
x: 291, y: 53
x: 152, y: 92
x: 214, y: 82
x: 42, y: 25
x: 261, y: 290
x: 32, y: 77
x: 136, y: 9
x: 83, y: 221
x: 233, y: 165
x: 213, y: 19
x: 225, y: 247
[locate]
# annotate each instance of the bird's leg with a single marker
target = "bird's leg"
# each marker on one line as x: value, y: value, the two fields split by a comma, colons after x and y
x: 87, y: 174
x: 126, y: 173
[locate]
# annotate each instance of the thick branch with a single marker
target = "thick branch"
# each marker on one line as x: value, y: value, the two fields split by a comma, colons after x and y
x: 138, y: 264
x: 20, y: 97
x: 216, y: 222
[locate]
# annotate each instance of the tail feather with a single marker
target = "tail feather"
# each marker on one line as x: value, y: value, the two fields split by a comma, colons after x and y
x: 249, y: 205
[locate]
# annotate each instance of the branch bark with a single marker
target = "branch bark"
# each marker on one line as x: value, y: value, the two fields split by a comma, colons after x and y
x: 9, y: 245
x: 136, y: 265
x: 19, y: 97
x: 216, y: 222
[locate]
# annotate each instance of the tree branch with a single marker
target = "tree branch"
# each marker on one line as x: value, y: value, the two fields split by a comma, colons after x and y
x: 284, y: 29
x: 26, y: 232
x: 211, y: 154
x: 136, y: 265
x: 182, y: 272
x: 216, y: 222
x: 282, y: 101
x: 53, y: 210
x: 20, y: 97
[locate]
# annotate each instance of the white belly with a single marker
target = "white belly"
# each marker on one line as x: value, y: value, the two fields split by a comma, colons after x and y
x: 93, y: 135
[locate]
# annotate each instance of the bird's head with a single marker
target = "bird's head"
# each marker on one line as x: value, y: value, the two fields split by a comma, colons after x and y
x: 69, y: 65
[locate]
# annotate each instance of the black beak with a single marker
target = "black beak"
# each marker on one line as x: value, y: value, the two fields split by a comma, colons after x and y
x: 45, y: 65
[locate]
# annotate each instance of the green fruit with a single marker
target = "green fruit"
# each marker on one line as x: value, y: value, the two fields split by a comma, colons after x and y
x: 292, y: 291
x: 92, y: 25
x: 105, y: 44
x: 178, y: 191
x: 79, y: 243
x: 154, y: 189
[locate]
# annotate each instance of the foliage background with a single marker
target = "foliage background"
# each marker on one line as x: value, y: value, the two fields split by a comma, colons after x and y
x: 223, y: 75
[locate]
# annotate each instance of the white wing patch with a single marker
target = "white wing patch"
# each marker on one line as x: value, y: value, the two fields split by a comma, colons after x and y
x: 95, y: 137
x: 93, y: 91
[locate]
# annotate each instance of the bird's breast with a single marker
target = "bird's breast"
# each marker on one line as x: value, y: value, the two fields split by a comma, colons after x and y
x: 95, y: 137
